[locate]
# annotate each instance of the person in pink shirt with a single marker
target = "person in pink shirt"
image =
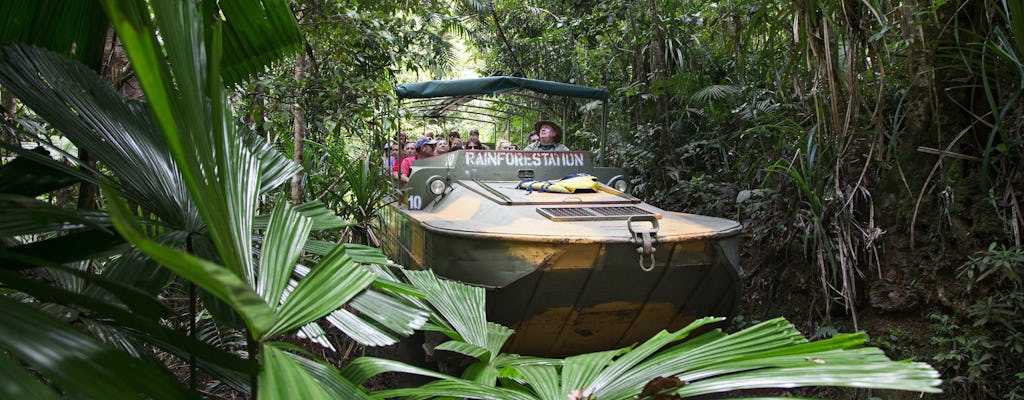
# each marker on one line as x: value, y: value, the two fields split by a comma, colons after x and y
x: 424, y: 148
x: 409, y: 151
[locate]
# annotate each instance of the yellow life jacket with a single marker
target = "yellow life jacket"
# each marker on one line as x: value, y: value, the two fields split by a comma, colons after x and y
x: 570, y: 184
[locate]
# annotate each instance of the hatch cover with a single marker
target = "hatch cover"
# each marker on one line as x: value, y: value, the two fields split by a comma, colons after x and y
x: 593, y: 213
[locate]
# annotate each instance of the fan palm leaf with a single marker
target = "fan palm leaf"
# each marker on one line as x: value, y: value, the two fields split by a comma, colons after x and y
x: 772, y: 354
x: 79, y: 364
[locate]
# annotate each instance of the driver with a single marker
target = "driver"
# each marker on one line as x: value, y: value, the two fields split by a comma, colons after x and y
x: 550, y: 137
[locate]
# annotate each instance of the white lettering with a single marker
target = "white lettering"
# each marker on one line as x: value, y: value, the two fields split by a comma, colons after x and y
x: 524, y: 159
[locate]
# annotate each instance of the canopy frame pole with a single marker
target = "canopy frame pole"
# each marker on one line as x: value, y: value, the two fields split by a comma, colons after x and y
x: 604, y: 133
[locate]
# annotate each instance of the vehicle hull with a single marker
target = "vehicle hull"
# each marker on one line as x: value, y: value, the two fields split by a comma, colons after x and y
x: 567, y: 293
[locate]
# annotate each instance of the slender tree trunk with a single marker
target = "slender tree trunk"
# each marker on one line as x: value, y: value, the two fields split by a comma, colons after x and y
x: 257, y: 116
x: 87, y: 192
x: 9, y: 107
x: 299, y: 133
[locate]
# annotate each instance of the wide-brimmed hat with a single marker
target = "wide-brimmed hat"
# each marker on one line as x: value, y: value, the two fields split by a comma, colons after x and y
x: 558, y: 129
x: 424, y: 141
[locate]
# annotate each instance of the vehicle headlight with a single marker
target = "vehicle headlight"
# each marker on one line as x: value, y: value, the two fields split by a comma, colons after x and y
x: 436, y: 186
x: 621, y: 185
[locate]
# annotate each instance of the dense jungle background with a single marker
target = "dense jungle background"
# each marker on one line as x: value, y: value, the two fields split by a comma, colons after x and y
x: 872, y: 151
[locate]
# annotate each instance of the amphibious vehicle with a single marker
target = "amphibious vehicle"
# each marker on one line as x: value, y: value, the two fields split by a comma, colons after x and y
x: 590, y: 270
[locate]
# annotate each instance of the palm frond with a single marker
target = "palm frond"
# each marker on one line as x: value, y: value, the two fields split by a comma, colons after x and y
x: 715, y: 93
x: 333, y: 282
x: 214, y: 278
x: 286, y: 234
x: 283, y: 378
x: 76, y: 363
x: 76, y: 29
x: 76, y: 102
x: 460, y: 305
x: 18, y: 383
x: 256, y: 35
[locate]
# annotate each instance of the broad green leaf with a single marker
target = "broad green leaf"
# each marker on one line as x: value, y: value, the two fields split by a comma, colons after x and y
x: 135, y: 269
x: 76, y: 29
x: 282, y: 378
x: 76, y: 246
x: 368, y: 255
x: 460, y: 347
x: 78, y: 364
x: 256, y: 35
x: 214, y: 278
x: 213, y: 359
x: 918, y: 377
x: 579, y: 372
x: 359, y: 330
x: 319, y: 247
x: 282, y: 247
x: 24, y: 216
x: 453, y: 388
x: 623, y: 372
x: 497, y: 335
x: 25, y: 177
x: 17, y: 383
x: 140, y: 303
x: 330, y: 284
x: 330, y: 379
x: 461, y: 306
x: 221, y: 174
x: 363, y: 368
x: 275, y: 168
x: 481, y: 372
x: 544, y: 381
x: 390, y: 312
x: 322, y: 219
x: 120, y: 134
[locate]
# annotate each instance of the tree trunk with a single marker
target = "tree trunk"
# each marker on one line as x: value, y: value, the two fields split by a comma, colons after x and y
x: 257, y: 115
x: 9, y: 106
x: 299, y: 134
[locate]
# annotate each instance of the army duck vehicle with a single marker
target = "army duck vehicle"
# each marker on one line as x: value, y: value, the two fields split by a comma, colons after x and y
x: 574, y: 270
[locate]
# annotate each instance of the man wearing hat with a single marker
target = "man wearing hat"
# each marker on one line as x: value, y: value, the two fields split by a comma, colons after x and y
x: 424, y: 149
x: 550, y: 137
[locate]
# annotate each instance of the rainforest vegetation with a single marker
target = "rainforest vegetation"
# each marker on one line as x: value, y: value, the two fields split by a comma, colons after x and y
x: 187, y: 189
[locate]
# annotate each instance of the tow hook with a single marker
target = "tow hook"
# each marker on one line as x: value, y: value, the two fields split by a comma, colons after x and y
x: 644, y: 239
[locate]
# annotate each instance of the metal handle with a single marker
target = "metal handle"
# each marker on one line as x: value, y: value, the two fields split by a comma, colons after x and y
x: 644, y: 239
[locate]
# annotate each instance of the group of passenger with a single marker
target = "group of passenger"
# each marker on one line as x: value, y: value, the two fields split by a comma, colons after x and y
x: 546, y: 136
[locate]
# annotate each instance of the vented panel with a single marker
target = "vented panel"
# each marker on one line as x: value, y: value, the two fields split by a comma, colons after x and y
x: 592, y: 213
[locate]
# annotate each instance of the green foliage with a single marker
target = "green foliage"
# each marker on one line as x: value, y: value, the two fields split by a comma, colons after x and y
x: 177, y: 157
x: 769, y: 354
x: 354, y: 186
x: 981, y: 347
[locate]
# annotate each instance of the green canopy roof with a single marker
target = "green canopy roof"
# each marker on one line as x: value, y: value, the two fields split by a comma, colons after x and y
x: 495, y: 85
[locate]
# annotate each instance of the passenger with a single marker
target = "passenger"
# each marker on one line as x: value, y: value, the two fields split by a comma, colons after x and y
x: 533, y: 137
x: 410, y: 153
x: 441, y: 148
x: 454, y: 135
x: 474, y: 144
x: 429, y: 134
x: 475, y: 134
x: 505, y: 145
x: 549, y: 137
x: 455, y: 144
x: 393, y: 156
x: 402, y: 140
x: 423, y: 148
